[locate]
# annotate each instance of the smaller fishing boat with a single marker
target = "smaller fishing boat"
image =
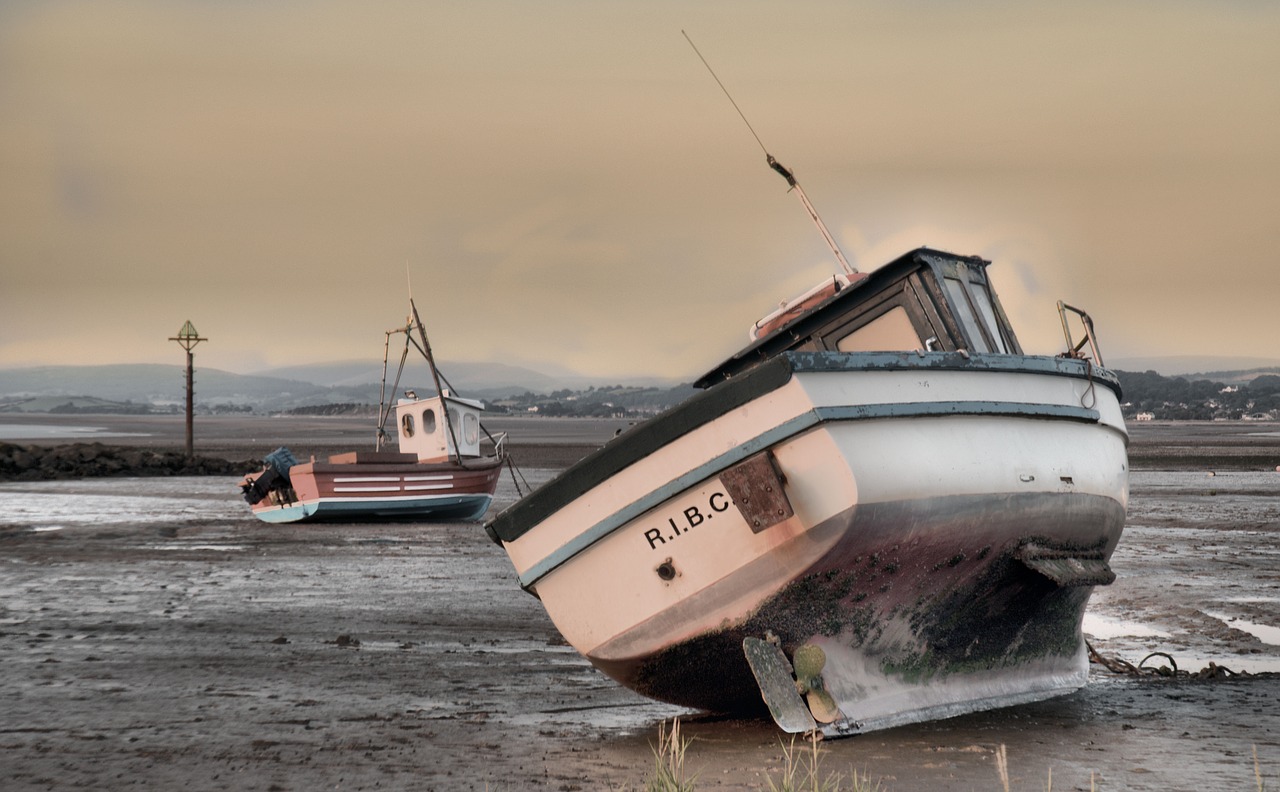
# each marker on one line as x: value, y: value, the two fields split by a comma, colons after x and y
x: 447, y: 466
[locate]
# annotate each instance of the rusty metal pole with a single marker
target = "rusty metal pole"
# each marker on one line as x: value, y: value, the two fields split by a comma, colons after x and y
x: 191, y: 451
x: 187, y: 338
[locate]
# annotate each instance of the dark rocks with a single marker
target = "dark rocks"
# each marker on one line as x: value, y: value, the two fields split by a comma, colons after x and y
x: 92, y: 460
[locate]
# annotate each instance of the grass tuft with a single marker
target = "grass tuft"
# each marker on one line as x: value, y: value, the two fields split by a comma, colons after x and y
x: 801, y: 772
x: 668, y: 762
x: 801, y: 769
x: 1002, y: 766
x: 1257, y: 768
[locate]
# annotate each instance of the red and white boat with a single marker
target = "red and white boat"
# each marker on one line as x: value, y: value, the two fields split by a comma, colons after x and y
x: 441, y: 471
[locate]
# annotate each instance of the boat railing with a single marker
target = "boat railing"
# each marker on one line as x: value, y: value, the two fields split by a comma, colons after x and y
x: 499, y: 444
x: 1086, y: 324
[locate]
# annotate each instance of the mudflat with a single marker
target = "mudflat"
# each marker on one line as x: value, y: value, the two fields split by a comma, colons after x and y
x: 154, y: 635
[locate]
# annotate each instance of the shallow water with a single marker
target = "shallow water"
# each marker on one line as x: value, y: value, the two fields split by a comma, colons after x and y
x: 1198, y: 561
x: 32, y: 431
x: 1198, y: 571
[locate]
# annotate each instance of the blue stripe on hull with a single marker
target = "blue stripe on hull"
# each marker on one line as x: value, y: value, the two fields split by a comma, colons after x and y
x: 453, y: 507
x: 778, y: 434
x: 747, y: 386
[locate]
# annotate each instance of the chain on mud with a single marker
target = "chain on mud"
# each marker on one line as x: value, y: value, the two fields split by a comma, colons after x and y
x: 1117, y: 665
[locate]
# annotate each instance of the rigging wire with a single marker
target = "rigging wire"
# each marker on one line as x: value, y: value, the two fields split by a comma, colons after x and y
x: 726, y: 93
x: 780, y: 168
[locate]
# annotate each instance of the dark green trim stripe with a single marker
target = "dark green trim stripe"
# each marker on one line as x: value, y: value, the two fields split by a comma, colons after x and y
x: 637, y: 443
x: 785, y: 431
x: 730, y: 394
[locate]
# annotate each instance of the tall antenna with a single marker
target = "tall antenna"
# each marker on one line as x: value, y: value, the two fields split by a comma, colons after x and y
x: 780, y: 168
x: 414, y: 319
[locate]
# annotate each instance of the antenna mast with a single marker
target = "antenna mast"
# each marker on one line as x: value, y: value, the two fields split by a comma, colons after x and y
x: 780, y: 168
x: 435, y: 377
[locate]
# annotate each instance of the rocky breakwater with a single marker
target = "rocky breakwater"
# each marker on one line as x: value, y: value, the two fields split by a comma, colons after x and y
x: 89, y: 460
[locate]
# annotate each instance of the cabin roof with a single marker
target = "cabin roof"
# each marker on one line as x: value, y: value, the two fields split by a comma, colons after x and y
x: 798, y: 333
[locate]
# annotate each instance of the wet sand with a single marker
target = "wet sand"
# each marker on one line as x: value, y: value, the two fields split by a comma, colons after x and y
x: 154, y: 635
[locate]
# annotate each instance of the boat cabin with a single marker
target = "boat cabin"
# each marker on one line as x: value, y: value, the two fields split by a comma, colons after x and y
x: 424, y: 431
x: 926, y: 300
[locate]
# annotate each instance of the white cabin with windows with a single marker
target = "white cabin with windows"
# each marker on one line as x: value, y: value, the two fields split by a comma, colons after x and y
x: 927, y: 301
x: 425, y: 432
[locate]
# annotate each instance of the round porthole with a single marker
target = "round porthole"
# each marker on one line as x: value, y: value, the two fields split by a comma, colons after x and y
x: 667, y: 570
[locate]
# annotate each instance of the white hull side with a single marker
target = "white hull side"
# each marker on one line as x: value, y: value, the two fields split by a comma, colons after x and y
x: 864, y: 480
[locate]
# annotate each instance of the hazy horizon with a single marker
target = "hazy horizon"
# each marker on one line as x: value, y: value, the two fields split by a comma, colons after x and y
x: 1168, y: 366
x: 567, y: 186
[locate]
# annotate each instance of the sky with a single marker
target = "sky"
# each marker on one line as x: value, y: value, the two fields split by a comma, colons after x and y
x: 563, y: 184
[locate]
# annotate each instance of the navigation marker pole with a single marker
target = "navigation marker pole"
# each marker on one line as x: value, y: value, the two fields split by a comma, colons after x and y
x: 187, y: 338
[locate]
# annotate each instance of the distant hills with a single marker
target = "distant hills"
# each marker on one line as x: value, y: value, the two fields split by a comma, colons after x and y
x: 498, y: 378
x: 140, y: 387
x: 1227, y: 369
x: 39, y: 389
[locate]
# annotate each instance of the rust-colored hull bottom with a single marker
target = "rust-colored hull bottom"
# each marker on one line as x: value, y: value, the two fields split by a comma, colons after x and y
x: 918, y: 605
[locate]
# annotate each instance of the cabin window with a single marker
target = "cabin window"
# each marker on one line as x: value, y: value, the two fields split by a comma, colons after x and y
x: 983, y: 299
x: 406, y: 424
x: 470, y: 429
x: 981, y: 325
x: 429, y: 421
x: 891, y: 330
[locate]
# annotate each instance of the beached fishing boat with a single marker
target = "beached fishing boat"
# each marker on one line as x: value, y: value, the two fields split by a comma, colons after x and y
x: 447, y: 466
x: 880, y: 511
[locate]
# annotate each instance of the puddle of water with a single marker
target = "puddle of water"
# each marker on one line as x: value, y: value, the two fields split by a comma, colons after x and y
x: 1201, y: 482
x: 229, y: 548
x: 59, y: 505
x: 1241, y: 664
x: 1098, y: 626
x: 51, y: 432
x: 1263, y: 632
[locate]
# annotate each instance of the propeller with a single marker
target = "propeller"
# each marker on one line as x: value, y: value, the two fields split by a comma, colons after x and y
x: 808, y: 662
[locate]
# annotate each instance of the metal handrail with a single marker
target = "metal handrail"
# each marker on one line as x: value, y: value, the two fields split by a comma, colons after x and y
x: 1073, y: 348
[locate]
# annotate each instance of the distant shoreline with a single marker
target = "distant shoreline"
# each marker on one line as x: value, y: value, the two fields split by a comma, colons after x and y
x: 557, y: 442
x: 554, y: 443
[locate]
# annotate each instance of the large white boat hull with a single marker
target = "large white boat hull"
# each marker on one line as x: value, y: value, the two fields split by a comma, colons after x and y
x: 938, y: 523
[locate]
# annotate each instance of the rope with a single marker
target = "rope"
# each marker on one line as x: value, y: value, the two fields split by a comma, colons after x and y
x: 1090, y: 395
x: 1117, y: 665
x: 511, y: 465
x: 726, y: 93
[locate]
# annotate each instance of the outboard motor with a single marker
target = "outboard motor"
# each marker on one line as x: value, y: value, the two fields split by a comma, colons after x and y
x: 274, y: 476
